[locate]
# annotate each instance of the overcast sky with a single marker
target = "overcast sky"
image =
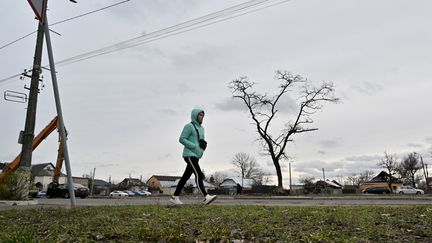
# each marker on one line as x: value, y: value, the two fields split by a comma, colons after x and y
x: 124, y: 111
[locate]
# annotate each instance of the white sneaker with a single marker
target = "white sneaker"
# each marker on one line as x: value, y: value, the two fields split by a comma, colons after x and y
x: 175, y: 200
x: 209, y: 198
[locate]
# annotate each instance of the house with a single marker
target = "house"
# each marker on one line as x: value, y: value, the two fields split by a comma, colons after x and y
x: 192, y: 185
x: 381, y: 180
x: 100, y: 187
x: 329, y: 187
x: 42, y: 175
x: 162, y: 184
x: 132, y: 184
x: 81, y: 180
x: 229, y: 185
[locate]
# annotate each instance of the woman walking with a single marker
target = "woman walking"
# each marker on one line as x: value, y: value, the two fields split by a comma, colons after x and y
x: 192, y: 138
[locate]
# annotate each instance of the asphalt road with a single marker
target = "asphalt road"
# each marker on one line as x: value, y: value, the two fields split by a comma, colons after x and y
x: 389, y: 200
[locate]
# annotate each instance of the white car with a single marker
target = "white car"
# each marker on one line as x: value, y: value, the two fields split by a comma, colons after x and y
x: 118, y: 194
x: 409, y: 190
x: 130, y: 193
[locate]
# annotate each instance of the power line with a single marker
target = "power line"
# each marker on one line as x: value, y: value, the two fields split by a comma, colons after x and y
x: 91, y: 12
x: 206, y: 20
x: 187, y: 26
x: 65, y: 20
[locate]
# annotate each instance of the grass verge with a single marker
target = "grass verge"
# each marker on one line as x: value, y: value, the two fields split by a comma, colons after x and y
x: 157, y: 223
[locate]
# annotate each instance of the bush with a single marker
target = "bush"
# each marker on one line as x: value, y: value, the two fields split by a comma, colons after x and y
x: 15, y: 185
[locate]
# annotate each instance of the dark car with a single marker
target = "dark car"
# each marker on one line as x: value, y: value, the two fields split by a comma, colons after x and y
x: 62, y: 190
x: 377, y: 190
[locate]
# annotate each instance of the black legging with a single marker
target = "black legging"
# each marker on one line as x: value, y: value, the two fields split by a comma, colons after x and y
x: 192, y: 167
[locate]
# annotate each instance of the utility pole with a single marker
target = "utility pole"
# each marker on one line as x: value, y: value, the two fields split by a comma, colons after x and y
x: 323, y: 174
x: 425, y: 173
x: 92, y: 187
x: 290, y: 176
x: 28, y: 133
x: 27, y: 136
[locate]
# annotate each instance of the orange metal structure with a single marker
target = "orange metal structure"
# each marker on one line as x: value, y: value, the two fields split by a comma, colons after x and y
x: 12, y: 166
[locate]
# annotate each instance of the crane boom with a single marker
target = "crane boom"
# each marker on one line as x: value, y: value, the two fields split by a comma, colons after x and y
x: 12, y: 166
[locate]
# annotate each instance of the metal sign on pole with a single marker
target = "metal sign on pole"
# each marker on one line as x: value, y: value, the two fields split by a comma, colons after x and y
x: 39, y: 8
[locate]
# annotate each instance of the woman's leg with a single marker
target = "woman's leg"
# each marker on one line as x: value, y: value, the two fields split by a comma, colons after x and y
x: 199, y: 177
x: 186, y: 175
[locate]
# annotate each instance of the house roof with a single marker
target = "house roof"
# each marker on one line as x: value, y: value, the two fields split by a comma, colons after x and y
x: 45, y: 169
x: 127, y: 182
x: 333, y: 183
x: 247, y: 183
x: 98, y: 182
x: 166, y: 178
x: 381, y: 177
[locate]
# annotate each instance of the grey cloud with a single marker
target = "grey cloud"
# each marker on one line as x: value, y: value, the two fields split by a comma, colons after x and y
x: 367, y: 88
x: 329, y: 143
x: 365, y: 158
x: 321, y: 152
x: 184, y: 88
x: 287, y: 105
x: 415, y: 145
x: 169, y: 112
x: 166, y: 156
x: 189, y: 57
x: 231, y: 104
x: 428, y: 139
x: 335, y: 168
x: 155, y: 11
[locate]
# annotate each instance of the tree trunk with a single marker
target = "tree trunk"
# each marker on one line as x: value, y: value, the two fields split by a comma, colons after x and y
x: 278, y: 172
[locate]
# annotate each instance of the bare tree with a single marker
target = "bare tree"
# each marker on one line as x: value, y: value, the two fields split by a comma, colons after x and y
x: 409, y: 167
x: 263, y: 110
x: 360, y: 178
x: 391, y: 165
x: 308, y: 184
x: 247, y: 167
x: 218, y: 177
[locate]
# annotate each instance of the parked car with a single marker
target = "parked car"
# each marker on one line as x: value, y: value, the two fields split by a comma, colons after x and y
x: 37, y: 194
x: 377, y: 190
x: 118, y: 194
x: 130, y: 193
x: 142, y: 193
x: 41, y: 194
x: 62, y: 190
x: 409, y: 190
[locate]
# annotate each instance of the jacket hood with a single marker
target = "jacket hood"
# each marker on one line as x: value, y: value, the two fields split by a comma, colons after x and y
x: 194, y: 115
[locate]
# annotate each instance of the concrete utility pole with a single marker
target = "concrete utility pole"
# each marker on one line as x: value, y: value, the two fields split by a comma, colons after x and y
x: 27, y: 136
x: 28, y: 133
x: 290, y: 176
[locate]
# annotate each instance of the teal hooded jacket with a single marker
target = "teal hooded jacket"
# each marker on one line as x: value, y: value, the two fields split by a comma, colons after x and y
x: 189, y: 137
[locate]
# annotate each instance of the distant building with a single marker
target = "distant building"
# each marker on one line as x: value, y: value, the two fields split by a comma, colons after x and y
x: 42, y: 175
x: 328, y: 187
x: 162, y: 184
x: 192, y: 184
x: 381, y: 180
x: 100, y: 187
x: 229, y: 185
x: 131, y: 184
x: 81, y: 180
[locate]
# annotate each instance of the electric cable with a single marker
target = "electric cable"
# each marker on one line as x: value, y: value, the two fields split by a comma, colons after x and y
x: 170, y: 31
x: 206, y: 20
x: 86, y: 56
x: 65, y: 20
